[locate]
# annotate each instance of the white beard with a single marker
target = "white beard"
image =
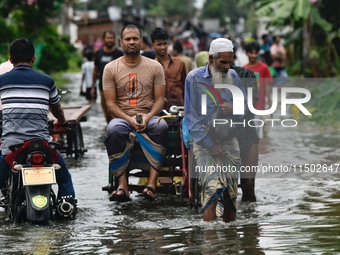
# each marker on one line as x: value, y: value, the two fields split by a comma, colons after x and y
x: 219, y: 77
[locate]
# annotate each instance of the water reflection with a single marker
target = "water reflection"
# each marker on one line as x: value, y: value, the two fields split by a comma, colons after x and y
x: 295, y: 215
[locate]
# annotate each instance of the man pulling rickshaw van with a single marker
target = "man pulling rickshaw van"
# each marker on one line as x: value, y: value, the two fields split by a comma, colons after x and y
x: 214, y: 148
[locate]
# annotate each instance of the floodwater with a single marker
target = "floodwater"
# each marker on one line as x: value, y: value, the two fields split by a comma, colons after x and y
x: 295, y: 213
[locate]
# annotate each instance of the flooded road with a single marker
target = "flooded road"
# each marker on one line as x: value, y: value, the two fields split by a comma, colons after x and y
x: 296, y: 213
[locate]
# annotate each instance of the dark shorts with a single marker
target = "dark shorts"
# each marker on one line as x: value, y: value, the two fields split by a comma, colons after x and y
x: 88, y: 94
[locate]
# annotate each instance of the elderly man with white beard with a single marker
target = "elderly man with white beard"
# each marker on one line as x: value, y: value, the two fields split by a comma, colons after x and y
x: 215, y: 147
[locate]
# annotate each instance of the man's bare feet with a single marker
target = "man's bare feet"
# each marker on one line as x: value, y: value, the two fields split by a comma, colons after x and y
x: 229, y: 212
x: 248, y: 190
x: 209, y: 213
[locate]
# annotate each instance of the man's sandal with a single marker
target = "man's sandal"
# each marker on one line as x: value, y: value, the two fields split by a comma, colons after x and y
x: 147, y: 196
x: 119, y: 198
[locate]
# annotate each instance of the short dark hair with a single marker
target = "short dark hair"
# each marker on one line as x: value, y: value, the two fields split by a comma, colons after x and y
x: 159, y: 34
x: 130, y: 26
x: 178, y: 47
x: 252, y: 46
x: 110, y: 32
x: 89, y: 55
x: 146, y: 41
x: 21, y: 51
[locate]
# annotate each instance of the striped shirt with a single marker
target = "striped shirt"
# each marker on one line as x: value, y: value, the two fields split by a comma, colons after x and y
x: 25, y: 95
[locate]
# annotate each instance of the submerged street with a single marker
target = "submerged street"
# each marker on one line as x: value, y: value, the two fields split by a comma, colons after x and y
x: 296, y: 213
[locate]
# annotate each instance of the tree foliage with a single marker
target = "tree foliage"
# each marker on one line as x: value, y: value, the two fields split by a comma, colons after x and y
x: 55, y: 51
x: 313, y: 36
x: 32, y: 19
x: 164, y: 8
x: 215, y: 10
x: 175, y: 8
x: 100, y: 6
x: 222, y: 9
x: 47, y: 9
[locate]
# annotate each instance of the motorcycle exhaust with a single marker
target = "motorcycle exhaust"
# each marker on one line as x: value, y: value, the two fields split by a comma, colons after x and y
x: 66, y: 207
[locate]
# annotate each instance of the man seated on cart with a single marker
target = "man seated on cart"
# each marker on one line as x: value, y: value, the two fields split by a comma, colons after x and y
x: 134, y: 89
x: 215, y: 148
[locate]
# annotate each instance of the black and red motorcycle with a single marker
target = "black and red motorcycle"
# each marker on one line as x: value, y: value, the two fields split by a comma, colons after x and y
x: 29, y: 196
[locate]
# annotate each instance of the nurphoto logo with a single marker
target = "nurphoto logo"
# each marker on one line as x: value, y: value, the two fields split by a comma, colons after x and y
x: 238, y: 105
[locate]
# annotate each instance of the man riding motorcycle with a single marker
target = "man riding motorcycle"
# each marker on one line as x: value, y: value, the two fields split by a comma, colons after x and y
x: 26, y: 97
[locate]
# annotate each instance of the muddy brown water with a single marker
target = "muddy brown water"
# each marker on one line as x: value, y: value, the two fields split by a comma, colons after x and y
x: 295, y: 213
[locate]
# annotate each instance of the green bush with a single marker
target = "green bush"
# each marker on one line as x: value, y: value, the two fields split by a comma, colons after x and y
x: 54, y: 53
x: 7, y: 34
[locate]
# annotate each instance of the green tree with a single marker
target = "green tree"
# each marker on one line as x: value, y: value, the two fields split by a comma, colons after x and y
x: 174, y: 8
x: 222, y: 9
x: 100, y: 6
x: 7, y: 34
x: 36, y: 13
x: 55, y: 51
x: 312, y: 35
x: 32, y: 19
x: 215, y: 10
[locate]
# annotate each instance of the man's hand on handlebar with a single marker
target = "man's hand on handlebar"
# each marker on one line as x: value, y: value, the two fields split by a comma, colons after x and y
x: 56, y: 126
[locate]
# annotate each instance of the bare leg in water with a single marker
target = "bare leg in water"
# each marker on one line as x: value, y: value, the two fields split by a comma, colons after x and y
x: 248, y: 179
x: 209, y: 213
x: 152, y: 182
x: 123, y: 184
x: 229, y: 213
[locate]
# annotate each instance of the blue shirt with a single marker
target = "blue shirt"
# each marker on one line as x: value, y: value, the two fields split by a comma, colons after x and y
x: 25, y: 95
x: 198, y: 83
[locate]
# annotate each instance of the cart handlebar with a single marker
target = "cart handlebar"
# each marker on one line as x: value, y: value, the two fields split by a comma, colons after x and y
x: 175, y: 114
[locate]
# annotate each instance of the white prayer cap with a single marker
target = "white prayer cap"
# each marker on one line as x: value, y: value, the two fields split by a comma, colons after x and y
x: 186, y: 34
x: 221, y: 45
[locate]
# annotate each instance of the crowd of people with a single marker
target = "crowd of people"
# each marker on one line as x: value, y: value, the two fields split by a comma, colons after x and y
x: 145, y: 76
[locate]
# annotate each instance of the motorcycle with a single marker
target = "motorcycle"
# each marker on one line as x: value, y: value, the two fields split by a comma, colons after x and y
x: 29, y: 196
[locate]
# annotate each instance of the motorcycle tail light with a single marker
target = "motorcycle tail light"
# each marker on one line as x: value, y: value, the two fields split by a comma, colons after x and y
x: 37, y: 159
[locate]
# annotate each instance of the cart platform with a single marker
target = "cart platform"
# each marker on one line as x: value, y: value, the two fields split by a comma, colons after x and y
x: 71, y: 138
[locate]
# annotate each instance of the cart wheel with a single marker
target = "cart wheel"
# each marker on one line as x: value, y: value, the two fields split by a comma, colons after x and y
x: 180, y: 190
x: 79, y: 148
x: 195, y: 201
x: 196, y: 193
x: 69, y: 139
